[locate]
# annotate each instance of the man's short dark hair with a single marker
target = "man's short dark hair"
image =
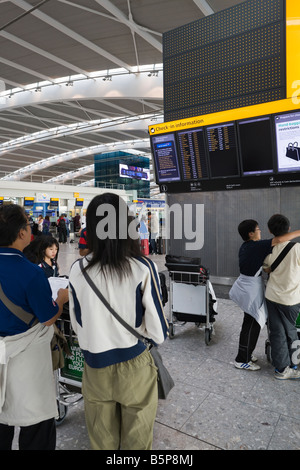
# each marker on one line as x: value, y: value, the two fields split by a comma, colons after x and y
x: 278, y: 225
x: 12, y: 219
x: 245, y: 227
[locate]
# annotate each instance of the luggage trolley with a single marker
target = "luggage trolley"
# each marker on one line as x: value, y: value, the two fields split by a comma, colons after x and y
x: 69, y: 378
x: 192, y: 298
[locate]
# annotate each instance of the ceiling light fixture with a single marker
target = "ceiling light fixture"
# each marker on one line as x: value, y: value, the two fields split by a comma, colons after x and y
x: 154, y: 73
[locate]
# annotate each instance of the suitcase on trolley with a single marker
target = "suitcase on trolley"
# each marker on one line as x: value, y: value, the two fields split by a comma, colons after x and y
x: 191, y: 293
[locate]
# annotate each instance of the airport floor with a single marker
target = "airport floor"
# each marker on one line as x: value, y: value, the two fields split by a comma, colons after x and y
x: 213, y: 406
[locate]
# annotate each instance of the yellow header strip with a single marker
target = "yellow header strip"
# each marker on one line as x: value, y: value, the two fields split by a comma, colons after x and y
x: 273, y: 107
x: 292, y: 47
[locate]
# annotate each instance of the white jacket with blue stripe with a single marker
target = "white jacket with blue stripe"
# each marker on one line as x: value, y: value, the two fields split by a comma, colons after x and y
x: 137, y: 299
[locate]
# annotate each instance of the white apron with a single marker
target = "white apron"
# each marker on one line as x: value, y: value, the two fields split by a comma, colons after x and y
x: 248, y: 292
x: 27, y: 387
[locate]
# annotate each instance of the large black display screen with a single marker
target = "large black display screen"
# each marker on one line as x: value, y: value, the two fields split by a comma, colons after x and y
x: 165, y: 158
x: 192, y: 154
x: 223, y: 152
x: 231, y: 59
x: 256, y: 146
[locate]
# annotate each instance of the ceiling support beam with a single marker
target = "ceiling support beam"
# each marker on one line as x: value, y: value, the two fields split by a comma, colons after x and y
x: 127, y: 86
x: 25, y: 69
x: 204, y: 7
x: 72, y: 34
x: 64, y: 157
x: 130, y: 23
x: 43, y: 53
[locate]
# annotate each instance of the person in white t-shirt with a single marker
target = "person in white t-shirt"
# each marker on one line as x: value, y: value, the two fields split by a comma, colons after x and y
x: 283, y: 302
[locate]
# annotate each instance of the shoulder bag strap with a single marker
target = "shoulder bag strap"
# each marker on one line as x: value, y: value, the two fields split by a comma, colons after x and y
x: 16, y: 310
x: 102, y: 298
x: 157, y: 288
x: 284, y: 252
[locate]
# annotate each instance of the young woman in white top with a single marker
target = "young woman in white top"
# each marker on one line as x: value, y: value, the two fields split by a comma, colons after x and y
x: 120, y: 379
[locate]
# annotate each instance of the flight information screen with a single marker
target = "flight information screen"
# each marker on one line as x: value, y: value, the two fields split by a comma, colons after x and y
x: 223, y: 152
x: 256, y: 146
x: 192, y: 154
x: 165, y: 158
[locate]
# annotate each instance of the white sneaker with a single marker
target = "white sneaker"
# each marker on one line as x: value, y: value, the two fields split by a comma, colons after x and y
x: 288, y: 373
x: 246, y: 365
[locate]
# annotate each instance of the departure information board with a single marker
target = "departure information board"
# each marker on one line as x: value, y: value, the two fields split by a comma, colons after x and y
x: 192, y: 153
x: 223, y: 154
x: 164, y: 151
x: 232, y: 99
x: 233, y: 58
x: 257, y: 152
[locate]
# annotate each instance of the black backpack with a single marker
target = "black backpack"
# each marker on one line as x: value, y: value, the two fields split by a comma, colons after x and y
x: 62, y: 223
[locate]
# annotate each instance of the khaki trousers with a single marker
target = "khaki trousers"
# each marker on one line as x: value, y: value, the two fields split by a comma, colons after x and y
x: 121, y: 404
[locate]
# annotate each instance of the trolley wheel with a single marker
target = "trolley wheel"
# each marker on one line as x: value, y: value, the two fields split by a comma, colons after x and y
x: 62, y: 413
x: 207, y: 336
x: 171, y: 331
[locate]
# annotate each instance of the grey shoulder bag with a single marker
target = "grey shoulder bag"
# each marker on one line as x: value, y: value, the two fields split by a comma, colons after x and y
x: 26, y: 317
x: 165, y: 382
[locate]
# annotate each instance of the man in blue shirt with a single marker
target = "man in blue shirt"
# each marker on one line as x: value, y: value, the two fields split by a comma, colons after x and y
x: 24, y: 290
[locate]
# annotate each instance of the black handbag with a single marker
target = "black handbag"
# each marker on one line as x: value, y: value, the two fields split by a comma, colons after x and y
x: 293, y: 151
x: 165, y: 382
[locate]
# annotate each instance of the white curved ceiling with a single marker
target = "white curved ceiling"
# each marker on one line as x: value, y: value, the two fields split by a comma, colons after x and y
x: 79, y: 77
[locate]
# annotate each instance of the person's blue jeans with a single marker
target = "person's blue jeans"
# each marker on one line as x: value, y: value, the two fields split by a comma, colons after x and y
x: 282, y: 333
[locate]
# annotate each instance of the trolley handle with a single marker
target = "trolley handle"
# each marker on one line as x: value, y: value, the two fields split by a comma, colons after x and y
x: 189, y: 277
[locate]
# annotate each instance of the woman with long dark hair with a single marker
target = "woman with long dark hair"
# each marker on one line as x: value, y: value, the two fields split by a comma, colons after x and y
x: 120, y: 379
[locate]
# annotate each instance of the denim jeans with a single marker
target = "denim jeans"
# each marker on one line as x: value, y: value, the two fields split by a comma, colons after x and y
x: 282, y: 332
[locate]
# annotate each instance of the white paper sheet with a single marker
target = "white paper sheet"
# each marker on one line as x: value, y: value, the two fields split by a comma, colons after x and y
x: 57, y: 283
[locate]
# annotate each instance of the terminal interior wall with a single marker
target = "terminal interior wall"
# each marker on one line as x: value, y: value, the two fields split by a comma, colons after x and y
x: 223, y: 211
